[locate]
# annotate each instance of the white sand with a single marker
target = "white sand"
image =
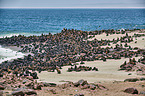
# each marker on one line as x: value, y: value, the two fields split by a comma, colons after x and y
x: 140, y: 43
x: 115, y: 36
x: 108, y: 71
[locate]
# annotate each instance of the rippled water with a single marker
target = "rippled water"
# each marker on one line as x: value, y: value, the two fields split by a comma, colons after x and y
x: 37, y: 21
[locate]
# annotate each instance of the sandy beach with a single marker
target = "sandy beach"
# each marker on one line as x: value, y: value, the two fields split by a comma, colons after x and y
x: 108, y: 73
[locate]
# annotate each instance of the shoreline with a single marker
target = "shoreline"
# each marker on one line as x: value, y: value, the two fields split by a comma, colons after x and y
x: 10, y: 53
x: 57, y: 62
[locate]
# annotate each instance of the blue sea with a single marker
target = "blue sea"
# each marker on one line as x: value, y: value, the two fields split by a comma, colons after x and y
x: 37, y: 21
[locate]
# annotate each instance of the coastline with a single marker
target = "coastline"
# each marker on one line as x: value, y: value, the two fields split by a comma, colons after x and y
x: 109, y: 65
x: 9, y: 53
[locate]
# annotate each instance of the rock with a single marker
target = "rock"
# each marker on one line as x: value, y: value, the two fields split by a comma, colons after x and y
x: 131, y: 90
x: 52, y: 85
x: 82, y: 82
x: 131, y: 80
x: 20, y: 89
x: 76, y: 84
x: 101, y: 87
x: 92, y: 87
x: 46, y: 84
x: 18, y: 93
x: 85, y: 86
x: 30, y: 91
x: 80, y: 94
x: 2, y: 87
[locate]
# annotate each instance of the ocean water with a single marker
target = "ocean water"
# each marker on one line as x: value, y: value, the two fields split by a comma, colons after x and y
x: 37, y: 21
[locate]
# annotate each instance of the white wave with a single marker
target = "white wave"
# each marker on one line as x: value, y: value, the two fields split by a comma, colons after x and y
x: 8, y: 35
x: 15, y: 34
x: 8, y: 54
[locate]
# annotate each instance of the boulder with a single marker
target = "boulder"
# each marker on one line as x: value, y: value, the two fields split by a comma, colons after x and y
x: 131, y: 80
x: 131, y: 90
x: 85, y: 86
x: 101, y: 87
x: 51, y: 85
x: 18, y: 93
x: 76, y: 84
x: 20, y: 89
x: 82, y: 82
x: 46, y: 84
x: 92, y: 87
x: 30, y: 92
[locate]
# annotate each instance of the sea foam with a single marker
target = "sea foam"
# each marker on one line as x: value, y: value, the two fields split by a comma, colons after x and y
x: 8, y: 54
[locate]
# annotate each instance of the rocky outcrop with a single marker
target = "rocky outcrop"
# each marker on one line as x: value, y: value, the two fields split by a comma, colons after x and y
x: 131, y: 90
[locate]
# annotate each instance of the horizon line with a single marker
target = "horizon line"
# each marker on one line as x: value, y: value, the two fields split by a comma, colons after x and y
x: 72, y: 7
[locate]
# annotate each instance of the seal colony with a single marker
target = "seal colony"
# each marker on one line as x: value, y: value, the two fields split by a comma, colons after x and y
x: 53, y: 51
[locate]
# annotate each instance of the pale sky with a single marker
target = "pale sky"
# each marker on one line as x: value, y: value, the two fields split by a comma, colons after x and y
x: 71, y: 3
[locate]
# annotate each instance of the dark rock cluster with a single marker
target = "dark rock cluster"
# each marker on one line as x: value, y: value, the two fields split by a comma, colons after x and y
x: 21, y: 85
x: 83, y: 84
x: 131, y: 90
x: 134, y: 79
